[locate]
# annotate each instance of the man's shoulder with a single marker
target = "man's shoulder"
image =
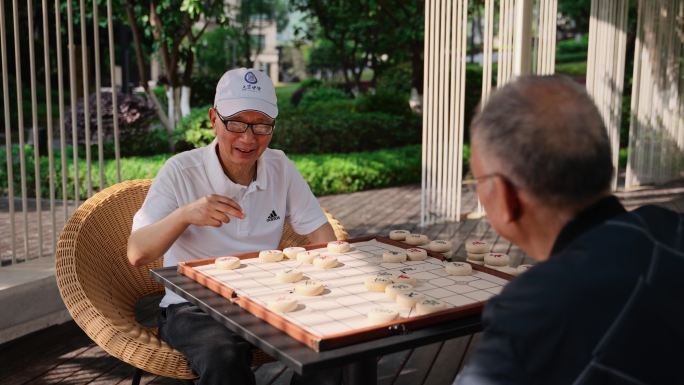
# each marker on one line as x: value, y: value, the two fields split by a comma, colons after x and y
x: 632, y: 234
x: 276, y: 156
x: 606, y: 257
x: 277, y: 162
x: 187, y: 159
x: 542, y: 287
x: 547, y: 292
x: 657, y: 223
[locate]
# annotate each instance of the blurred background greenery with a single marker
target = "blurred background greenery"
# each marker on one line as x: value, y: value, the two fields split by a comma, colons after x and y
x: 349, y: 90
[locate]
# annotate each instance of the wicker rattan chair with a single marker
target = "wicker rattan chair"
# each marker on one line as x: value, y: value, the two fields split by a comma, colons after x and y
x: 100, y: 288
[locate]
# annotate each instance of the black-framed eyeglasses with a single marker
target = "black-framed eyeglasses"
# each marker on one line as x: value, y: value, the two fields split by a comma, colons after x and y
x: 239, y: 127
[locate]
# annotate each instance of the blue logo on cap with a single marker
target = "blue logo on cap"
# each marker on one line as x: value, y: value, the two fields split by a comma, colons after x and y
x: 250, y: 78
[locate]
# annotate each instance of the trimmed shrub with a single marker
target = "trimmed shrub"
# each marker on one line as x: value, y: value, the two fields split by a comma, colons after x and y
x: 321, y: 95
x: 343, y: 173
x: 194, y: 130
x: 396, y: 79
x: 338, y: 131
x: 571, y: 50
x: 330, y: 127
x: 203, y: 88
x: 304, y: 85
x: 393, y: 103
x: 572, y: 69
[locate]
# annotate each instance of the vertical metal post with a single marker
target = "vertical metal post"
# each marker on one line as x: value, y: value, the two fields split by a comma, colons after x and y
x: 86, y: 99
x: 72, y: 92
x: 48, y: 106
x: 523, y: 37
x: 426, y: 74
x: 98, y: 94
x: 20, y: 124
x: 34, y: 117
x: 60, y: 101
x: 8, y: 131
x: 115, y: 105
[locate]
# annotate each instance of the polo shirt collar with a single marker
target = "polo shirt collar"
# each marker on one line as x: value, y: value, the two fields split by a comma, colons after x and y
x: 220, y: 183
x: 591, y: 216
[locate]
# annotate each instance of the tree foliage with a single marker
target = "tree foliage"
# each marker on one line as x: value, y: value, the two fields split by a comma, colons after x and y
x: 360, y: 34
x: 251, y: 16
x: 578, y: 11
x: 175, y: 26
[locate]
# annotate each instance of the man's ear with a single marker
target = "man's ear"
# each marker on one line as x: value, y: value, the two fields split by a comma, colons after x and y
x: 212, y: 119
x: 509, y: 200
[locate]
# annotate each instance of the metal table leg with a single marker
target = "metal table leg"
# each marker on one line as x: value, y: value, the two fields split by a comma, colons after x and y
x: 362, y: 372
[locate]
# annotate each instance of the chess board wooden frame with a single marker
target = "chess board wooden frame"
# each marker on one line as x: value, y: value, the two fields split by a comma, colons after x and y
x: 327, y: 342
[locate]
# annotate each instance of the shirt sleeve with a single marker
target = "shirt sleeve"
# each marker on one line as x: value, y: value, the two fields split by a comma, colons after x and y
x: 303, y: 210
x: 161, y: 199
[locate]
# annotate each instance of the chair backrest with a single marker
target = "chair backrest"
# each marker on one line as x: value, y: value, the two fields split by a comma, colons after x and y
x: 290, y: 238
x: 100, y: 287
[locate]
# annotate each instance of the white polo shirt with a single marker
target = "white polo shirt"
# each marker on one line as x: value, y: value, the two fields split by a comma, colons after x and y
x: 279, y: 193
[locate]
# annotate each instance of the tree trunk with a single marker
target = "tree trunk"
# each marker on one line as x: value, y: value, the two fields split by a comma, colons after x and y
x: 417, y: 66
x: 247, y: 50
x: 357, y: 81
x: 163, y: 118
x: 176, y: 104
x: 171, y: 107
x: 345, y: 73
x: 185, y: 101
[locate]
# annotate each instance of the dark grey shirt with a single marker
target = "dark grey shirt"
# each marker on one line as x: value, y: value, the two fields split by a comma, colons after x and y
x: 546, y: 324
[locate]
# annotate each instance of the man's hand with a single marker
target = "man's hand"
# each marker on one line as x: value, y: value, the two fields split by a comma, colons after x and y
x: 211, y: 210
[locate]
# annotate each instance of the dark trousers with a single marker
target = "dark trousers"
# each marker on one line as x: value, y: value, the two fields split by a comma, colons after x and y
x: 216, y: 354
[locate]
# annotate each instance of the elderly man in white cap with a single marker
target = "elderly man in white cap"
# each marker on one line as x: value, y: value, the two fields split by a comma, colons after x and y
x: 229, y: 197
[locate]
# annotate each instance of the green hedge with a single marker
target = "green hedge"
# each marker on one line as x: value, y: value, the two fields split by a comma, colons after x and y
x: 572, y: 69
x: 319, y: 96
x: 323, y: 128
x: 338, y: 131
x: 345, y: 173
x: 571, y: 50
x: 326, y: 174
x: 131, y: 168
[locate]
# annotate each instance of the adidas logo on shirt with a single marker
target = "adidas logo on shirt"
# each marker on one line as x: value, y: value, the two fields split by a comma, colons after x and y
x: 272, y: 216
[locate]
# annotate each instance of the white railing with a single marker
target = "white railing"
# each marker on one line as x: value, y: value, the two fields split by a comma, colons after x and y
x: 606, y: 66
x: 445, y: 81
x: 26, y: 221
x: 656, y: 136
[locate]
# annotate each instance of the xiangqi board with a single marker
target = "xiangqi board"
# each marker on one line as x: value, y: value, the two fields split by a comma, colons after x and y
x: 343, y: 310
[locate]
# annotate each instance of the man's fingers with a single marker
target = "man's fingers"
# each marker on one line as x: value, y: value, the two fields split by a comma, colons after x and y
x: 219, y: 218
x: 229, y: 210
x: 230, y: 207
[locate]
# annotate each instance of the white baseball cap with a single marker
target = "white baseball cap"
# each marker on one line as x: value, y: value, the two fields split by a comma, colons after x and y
x: 244, y: 89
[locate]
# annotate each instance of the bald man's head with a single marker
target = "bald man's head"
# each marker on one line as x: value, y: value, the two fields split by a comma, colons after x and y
x: 547, y: 136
